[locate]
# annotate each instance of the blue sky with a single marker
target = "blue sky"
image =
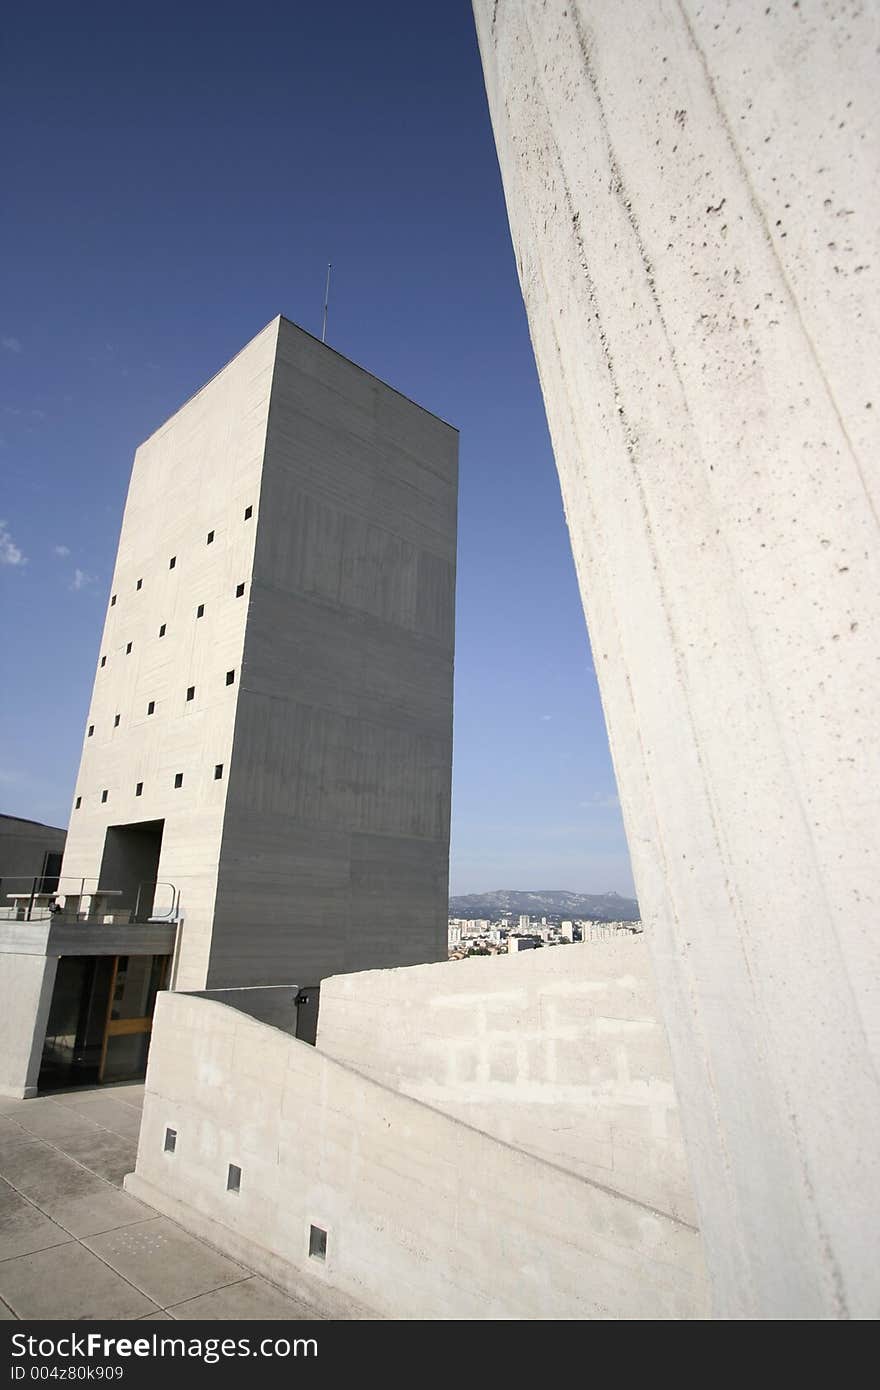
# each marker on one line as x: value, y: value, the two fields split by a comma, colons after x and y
x: 174, y: 177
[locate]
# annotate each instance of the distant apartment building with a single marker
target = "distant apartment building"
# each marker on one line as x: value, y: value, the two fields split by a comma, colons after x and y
x: 264, y: 788
x: 524, y: 923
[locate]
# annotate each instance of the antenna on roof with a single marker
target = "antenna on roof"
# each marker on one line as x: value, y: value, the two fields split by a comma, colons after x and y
x: 326, y: 303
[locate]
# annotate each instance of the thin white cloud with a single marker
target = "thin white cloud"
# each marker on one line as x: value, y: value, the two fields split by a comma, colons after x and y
x: 11, y: 344
x: 81, y: 580
x: 545, y: 718
x: 62, y: 550
x: 10, y: 554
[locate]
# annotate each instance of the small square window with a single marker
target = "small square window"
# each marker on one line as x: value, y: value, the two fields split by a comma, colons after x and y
x: 200, y: 611
x: 139, y: 789
x: 116, y: 721
x: 79, y: 802
x: 248, y: 513
x: 128, y: 649
x: 103, y: 661
x: 218, y: 771
x: 210, y: 540
x: 151, y: 707
x: 317, y: 1243
x: 190, y: 692
x: 113, y: 601
x: 139, y: 584
x: 172, y: 562
x: 104, y: 796
x: 233, y: 1178
x: 170, y: 1141
x: 91, y: 730
x: 230, y: 677
x: 162, y: 630
x: 239, y: 590
x: 178, y: 779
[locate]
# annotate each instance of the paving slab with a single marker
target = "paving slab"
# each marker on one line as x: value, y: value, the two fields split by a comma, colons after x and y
x: 157, y: 1317
x: 107, y: 1155
x: 24, y: 1229
x: 106, y: 1112
x: 247, y: 1301
x: 46, y: 1120
x: 9, y: 1106
x: 6, y: 1314
x: 68, y: 1282
x: 169, y: 1265
x: 67, y: 1193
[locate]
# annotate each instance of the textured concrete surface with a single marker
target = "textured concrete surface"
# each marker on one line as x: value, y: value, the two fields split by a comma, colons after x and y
x: 73, y: 1245
x: 426, y: 1217
x: 336, y: 838
x: 329, y: 823
x: 26, y: 984
x: 559, y: 1052
x: 693, y: 199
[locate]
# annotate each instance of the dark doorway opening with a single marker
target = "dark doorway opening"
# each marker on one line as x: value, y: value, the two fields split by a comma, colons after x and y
x: 100, y: 1019
x: 130, y: 869
x: 77, y: 1018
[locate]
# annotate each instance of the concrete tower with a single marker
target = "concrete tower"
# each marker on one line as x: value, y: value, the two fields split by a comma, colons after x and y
x: 270, y: 727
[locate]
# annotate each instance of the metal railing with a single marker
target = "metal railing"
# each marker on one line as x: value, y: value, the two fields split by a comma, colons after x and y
x: 66, y: 898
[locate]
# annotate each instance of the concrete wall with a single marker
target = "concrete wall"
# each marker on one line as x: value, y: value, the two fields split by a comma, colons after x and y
x: 196, y: 474
x: 559, y: 1052
x: 336, y: 836
x: 273, y: 1004
x: 426, y: 1217
x: 692, y: 193
x: 26, y: 984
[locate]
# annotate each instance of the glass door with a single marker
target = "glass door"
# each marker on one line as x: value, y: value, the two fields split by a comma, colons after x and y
x: 135, y: 983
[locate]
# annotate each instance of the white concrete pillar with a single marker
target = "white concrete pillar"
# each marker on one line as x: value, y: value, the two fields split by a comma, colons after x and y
x: 26, y: 985
x: 692, y: 196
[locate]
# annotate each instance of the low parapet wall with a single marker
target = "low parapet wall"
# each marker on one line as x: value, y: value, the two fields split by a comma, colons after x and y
x: 425, y: 1217
x: 560, y: 1052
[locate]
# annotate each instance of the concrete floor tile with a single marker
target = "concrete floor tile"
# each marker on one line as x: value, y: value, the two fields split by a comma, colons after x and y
x: 121, y: 1119
x: 46, y: 1120
x: 10, y: 1107
x: 6, y: 1314
x: 249, y: 1300
x: 107, y: 1155
x: 132, y: 1092
x: 68, y: 1282
x: 157, y: 1317
x: 15, y: 1145
x: 24, y: 1229
x: 163, y: 1260
x: 106, y: 1112
x: 74, y: 1198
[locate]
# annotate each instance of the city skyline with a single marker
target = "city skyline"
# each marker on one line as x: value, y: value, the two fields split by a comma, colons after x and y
x: 120, y: 310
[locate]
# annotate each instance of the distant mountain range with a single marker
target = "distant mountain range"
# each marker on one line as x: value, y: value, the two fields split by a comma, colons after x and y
x: 600, y: 907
